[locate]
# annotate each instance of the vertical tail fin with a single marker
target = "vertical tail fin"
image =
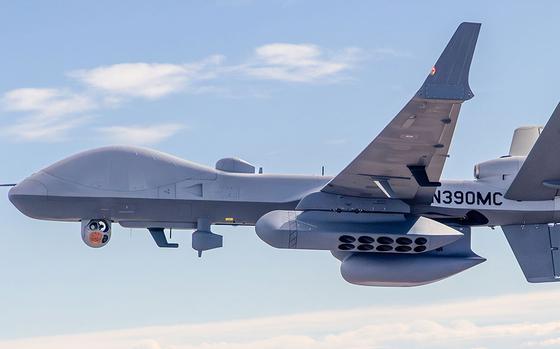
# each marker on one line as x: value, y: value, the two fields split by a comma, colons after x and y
x: 523, y: 140
x: 539, y: 176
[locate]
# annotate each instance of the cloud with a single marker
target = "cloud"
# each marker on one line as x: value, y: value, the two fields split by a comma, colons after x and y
x: 48, y: 113
x: 46, y: 102
x: 140, y: 135
x: 277, y: 61
x: 506, y: 321
x: 298, y: 62
x: 136, y: 79
x: 148, y: 80
x: 550, y: 342
x: 146, y: 344
x: 45, y: 130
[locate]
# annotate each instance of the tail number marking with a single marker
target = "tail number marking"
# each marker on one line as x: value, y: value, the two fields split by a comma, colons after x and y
x: 458, y: 197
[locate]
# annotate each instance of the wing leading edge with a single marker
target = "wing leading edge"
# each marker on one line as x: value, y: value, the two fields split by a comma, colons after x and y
x: 406, y: 159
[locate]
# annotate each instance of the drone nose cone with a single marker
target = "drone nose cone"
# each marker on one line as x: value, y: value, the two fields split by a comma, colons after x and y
x: 28, y: 187
x: 27, y: 194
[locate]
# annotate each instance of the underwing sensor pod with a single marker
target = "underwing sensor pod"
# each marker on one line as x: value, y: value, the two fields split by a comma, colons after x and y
x: 373, y: 233
x: 388, y: 217
x: 377, y: 269
x: 376, y: 248
x: 96, y: 232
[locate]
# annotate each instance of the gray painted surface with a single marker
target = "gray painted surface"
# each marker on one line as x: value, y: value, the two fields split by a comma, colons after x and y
x: 420, y: 134
x: 540, y: 167
x: 375, y: 269
x: 536, y: 248
x: 317, y: 230
x: 377, y: 217
x: 524, y: 138
x: 137, y: 184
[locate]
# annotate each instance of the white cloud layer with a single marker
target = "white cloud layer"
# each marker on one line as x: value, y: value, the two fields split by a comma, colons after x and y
x: 49, y: 114
x: 148, y: 80
x: 299, y: 63
x: 136, y: 79
x: 276, y: 61
x: 46, y: 102
x: 44, y: 130
x: 140, y: 135
x: 510, y: 321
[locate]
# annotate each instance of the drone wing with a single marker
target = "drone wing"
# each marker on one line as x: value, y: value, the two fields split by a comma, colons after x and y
x: 406, y: 159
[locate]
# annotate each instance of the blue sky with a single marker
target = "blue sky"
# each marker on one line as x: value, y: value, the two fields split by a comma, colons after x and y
x: 287, y: 85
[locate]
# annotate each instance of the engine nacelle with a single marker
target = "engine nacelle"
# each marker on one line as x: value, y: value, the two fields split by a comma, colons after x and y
x: 372, y: 269
x: 96, y: 232
x: 499, y: 169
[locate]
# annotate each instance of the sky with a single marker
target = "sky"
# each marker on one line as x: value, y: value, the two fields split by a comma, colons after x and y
x: 287, y: 85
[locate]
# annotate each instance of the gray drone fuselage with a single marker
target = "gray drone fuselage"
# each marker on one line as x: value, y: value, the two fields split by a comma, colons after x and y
x: 387, y: 216
x: 143, y: 188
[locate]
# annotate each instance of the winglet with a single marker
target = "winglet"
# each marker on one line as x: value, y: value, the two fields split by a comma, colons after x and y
x: 449, y: 78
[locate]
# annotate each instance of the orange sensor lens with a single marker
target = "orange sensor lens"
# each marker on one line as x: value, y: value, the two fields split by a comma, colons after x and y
x: 95, y: 237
